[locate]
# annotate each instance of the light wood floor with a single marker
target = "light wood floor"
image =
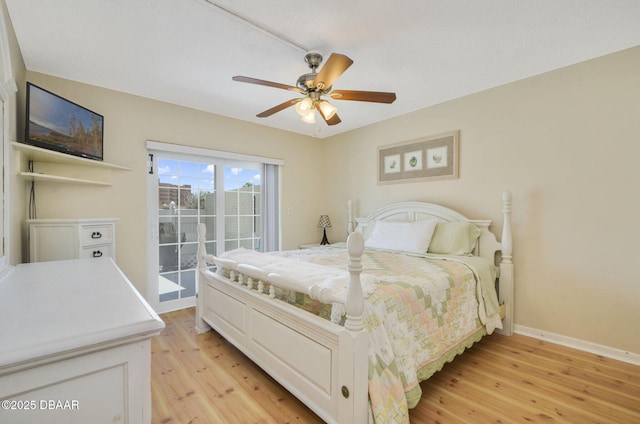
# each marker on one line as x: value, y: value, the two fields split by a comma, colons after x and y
x: 203, y: 379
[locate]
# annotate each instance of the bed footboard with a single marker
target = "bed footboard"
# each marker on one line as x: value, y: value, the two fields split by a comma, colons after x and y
x: 321, y: 363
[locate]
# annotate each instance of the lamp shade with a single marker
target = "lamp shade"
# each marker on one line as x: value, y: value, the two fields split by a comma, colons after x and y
x: 310, y: 117
x: 324, y: 221
x: 304, y: 106
x: 328, y: 110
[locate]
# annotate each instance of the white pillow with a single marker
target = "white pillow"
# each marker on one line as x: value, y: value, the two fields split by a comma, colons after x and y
x: 413, y: 237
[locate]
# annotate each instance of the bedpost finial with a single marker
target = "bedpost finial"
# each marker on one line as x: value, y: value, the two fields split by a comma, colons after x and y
x: 202, y: 229
x: 506, y: 197
x: 349, y: 217
x: 355, y: 244
x: 506, y: 202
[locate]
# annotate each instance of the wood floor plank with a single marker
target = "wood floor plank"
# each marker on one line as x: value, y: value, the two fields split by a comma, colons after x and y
x: 569, y: 383
x: 572, y: 368
x: 201, y: 378
x: 589, y: 364
x: 531, y: 376
x: 527, y: 397
x: 483, y: 386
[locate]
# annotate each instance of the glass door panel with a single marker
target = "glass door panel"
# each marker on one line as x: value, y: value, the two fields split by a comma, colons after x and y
x: 186, y: 197
x: 242, y: 208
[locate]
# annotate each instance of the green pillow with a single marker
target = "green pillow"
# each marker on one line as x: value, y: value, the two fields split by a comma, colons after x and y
x: 454, y: 238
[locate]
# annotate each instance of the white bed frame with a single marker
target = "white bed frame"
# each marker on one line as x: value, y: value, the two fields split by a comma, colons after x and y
x: 321, y: 363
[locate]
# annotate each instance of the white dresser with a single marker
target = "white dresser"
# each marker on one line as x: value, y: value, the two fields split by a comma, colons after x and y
x: 75, y: 345
x: 61, y: 239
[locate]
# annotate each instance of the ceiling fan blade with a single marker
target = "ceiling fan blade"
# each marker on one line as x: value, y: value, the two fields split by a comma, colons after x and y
x: 335, y: 119
x: 249, y: 80
x: 363, y: 96
x: 278, y: 108
x: 332, y: 69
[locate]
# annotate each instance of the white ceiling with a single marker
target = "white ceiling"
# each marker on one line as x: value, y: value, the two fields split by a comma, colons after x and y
x: 426, y: 51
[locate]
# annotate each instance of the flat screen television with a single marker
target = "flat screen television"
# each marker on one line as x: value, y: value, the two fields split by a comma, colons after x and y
x: 58, y: 124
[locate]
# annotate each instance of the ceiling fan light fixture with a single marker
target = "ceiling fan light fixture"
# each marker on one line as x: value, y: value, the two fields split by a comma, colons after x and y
x: 310, y: 117
x: 328, y: 110
x: 304, y: 106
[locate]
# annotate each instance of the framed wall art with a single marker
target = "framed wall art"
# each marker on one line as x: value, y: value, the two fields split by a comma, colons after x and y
x: 430, y: 158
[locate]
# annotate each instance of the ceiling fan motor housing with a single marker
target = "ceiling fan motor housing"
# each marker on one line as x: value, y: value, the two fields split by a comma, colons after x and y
x: 313, y: 59
x: 306, y: 81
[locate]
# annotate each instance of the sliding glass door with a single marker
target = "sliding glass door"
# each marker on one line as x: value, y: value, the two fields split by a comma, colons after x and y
x: 184, y: 191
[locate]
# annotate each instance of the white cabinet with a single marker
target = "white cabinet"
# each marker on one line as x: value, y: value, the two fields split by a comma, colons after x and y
x: 78, y: 345
x: 61, y: 239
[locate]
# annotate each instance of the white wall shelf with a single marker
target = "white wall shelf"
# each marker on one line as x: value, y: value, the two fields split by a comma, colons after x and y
x: 37, y: 154
x: 34, y: 176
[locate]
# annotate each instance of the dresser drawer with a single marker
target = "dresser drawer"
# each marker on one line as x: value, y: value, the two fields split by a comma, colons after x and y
x: 97, y: 251
x: 61, y: 239
x: 92, y: 234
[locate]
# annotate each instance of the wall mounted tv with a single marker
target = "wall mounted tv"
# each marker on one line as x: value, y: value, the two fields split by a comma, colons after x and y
x: 58, y: 124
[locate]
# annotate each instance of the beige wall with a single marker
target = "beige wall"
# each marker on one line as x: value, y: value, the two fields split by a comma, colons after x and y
x: 129, y: 122
x: 564, y: 143
x: 567, y: 145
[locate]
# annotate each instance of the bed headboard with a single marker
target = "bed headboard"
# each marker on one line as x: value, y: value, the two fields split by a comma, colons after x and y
x: 487, y: 244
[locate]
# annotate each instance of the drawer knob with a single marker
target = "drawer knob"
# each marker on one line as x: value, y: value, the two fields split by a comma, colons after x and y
x: 96, y: 235
x: 97, y: 254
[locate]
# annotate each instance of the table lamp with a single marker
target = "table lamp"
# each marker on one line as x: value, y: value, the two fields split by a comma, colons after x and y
x: 323, y: 223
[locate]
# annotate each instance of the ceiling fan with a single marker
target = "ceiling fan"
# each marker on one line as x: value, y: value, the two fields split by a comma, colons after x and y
x: 314, y: 85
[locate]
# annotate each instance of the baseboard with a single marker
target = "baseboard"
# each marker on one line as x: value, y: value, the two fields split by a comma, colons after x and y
x: 608, y: 352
